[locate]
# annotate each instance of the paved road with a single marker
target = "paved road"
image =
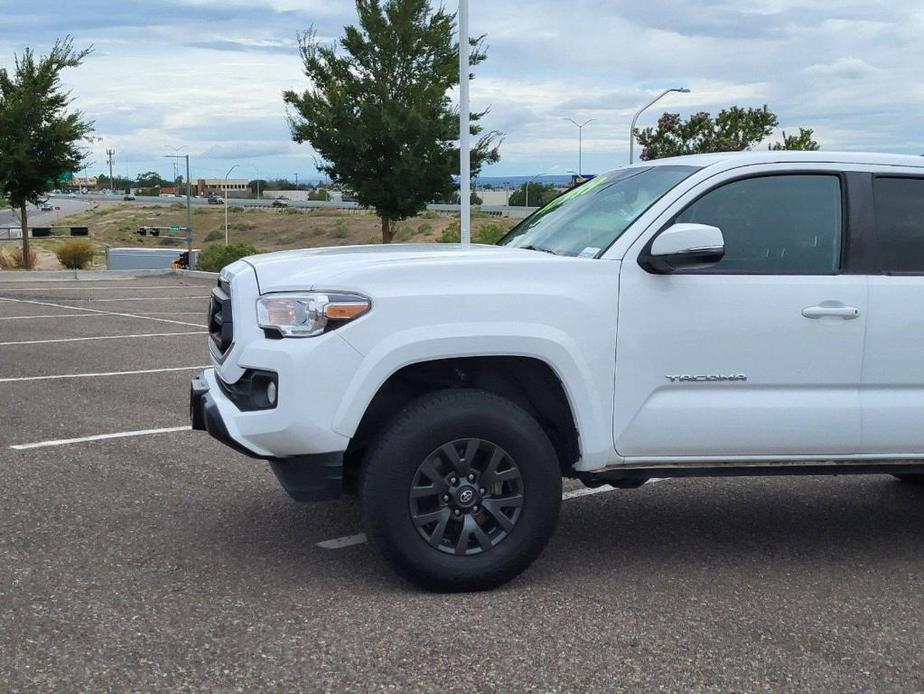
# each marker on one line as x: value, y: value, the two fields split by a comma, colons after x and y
x: 169, y: 562
x: 67, y: 207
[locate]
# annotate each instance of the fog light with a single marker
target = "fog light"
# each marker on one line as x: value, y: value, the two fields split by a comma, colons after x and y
x: 271, y: 393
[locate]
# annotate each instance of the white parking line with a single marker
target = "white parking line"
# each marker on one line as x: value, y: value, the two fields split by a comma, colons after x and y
x: 96, y: 310
x: 102, y: 337
x: 53, y: 315
x: 102, y: 373
x: 98, y: 437
x: 350, y: 540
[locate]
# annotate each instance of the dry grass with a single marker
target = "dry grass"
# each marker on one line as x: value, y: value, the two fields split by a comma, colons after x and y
x: 269, y: 230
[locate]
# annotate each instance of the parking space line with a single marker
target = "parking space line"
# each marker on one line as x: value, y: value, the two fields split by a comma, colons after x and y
x: 96, y: 310
x: 360, y: 538
x: 98, y: 437
x: 102, y: 337
x: 102, y: 373
x: 55, y: 315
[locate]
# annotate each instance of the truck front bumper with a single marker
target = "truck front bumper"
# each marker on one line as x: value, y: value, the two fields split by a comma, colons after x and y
x: 311, y: 477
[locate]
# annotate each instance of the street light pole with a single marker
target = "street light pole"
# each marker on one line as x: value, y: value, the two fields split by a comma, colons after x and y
x: 538, y: 175
x: 679, y: 90
x: 226, y: 201
x: 580, y: 127
x: 465, y: 164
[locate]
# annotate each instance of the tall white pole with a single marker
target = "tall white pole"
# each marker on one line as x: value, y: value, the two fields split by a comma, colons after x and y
x: 465, y: 168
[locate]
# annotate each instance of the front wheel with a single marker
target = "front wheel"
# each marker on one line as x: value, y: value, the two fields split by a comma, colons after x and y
x: 461, y: 492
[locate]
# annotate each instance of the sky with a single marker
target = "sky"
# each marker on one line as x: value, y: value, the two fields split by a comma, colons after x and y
x: 206, y: 77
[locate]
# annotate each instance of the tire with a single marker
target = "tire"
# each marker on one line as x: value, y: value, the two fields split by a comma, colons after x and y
x: 910, y: 478
x: 461, y: 491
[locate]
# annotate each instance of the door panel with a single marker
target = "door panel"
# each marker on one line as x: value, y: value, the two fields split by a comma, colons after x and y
x: 801, y: 393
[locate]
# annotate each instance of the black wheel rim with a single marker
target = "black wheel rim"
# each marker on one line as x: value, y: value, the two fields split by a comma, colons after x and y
x: 466, y: 497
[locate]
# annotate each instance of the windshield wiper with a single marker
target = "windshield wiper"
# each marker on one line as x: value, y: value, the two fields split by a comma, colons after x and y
x: 537, y: 248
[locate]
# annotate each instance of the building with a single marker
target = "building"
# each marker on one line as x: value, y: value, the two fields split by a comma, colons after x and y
x: 236, y: 187
x: 79, y: 184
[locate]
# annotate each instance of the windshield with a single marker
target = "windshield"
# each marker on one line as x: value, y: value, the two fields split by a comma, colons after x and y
x: 587, y: 219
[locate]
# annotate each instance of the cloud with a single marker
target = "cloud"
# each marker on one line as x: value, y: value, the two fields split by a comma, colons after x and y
x: 207, y: 75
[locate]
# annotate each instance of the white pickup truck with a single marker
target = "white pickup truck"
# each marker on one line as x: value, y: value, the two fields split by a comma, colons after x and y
x: 729, y: 314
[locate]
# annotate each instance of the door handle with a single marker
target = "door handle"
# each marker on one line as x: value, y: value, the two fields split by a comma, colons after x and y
x: 831, y: 310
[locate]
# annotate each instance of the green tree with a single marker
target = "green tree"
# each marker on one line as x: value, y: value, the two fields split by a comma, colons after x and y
x: 539, y: 195
x: 378, y: 111
x: 733, y: 130
x: 802, y: 141
x: 40, y: 135
x: 150, y: 179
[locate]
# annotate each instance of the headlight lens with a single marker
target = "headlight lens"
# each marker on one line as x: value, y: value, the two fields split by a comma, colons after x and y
x: 310, y: 313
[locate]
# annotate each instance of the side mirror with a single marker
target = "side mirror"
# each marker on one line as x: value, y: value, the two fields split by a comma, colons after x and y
x: 683, y: 246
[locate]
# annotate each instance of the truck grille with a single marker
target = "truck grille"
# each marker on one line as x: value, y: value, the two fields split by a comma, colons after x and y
x: 221, y: 327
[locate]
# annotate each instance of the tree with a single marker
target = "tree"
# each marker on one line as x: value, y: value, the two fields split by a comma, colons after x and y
x: 39, y: 134
x: 378, y: 111
x: 802, y: 141
x: 150, y: 179
x: 733, y: 130
x: 539, y: 194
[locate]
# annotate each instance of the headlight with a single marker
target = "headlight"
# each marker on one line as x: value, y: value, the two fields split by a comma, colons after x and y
x: 310, y: 313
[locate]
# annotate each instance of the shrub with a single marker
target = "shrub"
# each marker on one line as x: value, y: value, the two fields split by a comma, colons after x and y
x: 75, y: 254
x: 13, y: 261
x: 216, y: 256
x: 488, y: 234
x: 214, y: 235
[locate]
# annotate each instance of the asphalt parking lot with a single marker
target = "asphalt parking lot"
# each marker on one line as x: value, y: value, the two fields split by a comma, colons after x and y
x: 165, y: 561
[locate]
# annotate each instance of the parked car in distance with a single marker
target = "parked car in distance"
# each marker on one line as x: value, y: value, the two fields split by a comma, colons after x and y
x: 215, y: 200
x: 280, y: 202
x: 128, y: 197
x: 729, y: 314
x: 46, y: 206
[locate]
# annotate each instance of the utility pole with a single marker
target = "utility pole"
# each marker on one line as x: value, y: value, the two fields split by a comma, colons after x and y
x: 465, y: 164
x: 296, y: 180
x: 226, y: 201
x: 189, y: 237
x: 109, y: 153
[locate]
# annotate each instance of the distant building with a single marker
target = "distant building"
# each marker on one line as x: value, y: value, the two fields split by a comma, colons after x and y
x: 79, y: 184
x: 236, y: 187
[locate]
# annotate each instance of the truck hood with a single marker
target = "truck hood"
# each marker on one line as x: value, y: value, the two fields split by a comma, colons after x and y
x: 346, y: 267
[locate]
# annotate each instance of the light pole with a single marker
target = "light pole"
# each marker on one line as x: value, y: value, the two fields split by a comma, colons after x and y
x: 580, y: 127
x: 679, y: 90
x: 465, y: 164
x: 226, y: 201
x: 188, y: 204
x: 538, y: 175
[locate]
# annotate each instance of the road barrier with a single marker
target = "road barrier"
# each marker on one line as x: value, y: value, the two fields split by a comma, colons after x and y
x: 12, y: 233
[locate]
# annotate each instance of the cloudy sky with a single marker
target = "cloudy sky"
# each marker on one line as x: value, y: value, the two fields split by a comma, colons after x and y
x: 206, y: 76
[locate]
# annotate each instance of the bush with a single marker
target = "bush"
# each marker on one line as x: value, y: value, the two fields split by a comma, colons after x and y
x: 216, y: 256
x: 488, y: 234
x: 13, y: 261
x: 75, y: 254
x: 214, y: 235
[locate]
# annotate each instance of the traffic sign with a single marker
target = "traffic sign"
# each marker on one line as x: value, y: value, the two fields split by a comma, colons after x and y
x: 175, y: 227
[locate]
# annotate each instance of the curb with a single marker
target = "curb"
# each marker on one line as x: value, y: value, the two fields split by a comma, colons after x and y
x: 71, y: 276
x: 202, y: 274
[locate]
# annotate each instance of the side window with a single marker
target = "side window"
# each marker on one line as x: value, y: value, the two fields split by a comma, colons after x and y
x: 789, y: 224
x: 900, y: 223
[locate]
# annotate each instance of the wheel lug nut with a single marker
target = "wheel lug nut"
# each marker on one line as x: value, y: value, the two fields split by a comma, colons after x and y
x: 458, y: 512
x: 453, y: 480
x: 445, y: 497
x: 475, y: 509
x: 471, y: 477
x: 481, y: 491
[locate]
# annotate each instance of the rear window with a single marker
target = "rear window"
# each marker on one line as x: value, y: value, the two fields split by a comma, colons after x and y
x: 900, y: 223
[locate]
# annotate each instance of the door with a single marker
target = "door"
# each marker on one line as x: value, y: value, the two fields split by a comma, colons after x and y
x: 892, y: 396
x: 758, y: 355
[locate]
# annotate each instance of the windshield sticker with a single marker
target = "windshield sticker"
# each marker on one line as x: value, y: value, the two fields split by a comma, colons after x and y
x: 588, y: 252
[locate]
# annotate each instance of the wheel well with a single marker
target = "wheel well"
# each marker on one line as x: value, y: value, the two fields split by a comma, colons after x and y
x: 528, y: 382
